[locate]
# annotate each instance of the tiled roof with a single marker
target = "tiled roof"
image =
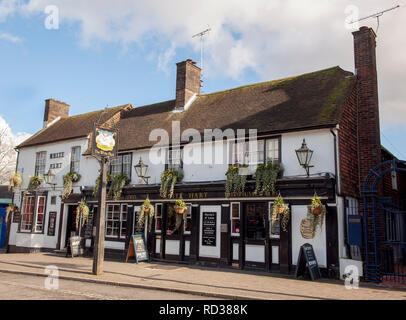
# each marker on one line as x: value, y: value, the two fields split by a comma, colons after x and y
x: 306, y: 101
x: 310, y: 100
x: 71, y: 127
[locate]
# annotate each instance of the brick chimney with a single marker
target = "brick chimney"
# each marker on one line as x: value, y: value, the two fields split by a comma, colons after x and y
x: 369, y: 142
x: 54, y: 109
x: 187, y: 82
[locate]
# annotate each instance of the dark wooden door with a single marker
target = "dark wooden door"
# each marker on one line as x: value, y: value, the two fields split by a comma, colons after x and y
x: 256, y: 234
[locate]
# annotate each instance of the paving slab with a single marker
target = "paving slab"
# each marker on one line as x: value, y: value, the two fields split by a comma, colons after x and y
x: 212, y: 282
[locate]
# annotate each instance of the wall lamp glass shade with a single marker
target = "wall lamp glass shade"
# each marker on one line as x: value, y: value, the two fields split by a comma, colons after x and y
x: 304, y: 156
x: 141, y: 169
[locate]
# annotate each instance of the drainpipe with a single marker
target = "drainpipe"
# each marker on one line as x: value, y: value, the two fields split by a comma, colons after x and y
x: 338, y: 189
x: 338, y: 194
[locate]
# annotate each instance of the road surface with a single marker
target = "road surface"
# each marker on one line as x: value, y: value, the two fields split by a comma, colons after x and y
x: 25, y: 287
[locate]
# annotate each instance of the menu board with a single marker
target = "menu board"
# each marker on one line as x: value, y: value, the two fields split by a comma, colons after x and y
x: 307, y: 261
x: 75, y: 248
x: 209, y: 225
x: 51, y: 223
x: 89, y: 225
x: 137, y: 248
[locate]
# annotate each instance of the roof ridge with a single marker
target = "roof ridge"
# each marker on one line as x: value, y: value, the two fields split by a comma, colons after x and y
x: 269, y: 81
x: 62, y: 119
x: 154, y: 104
x: 99, y: 110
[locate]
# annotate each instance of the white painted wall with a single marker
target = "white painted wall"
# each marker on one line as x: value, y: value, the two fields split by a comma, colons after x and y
x: 322, y: 144
x: 254, y: 253
x: 320, y: 141
x: 172, y: 247
x: 318, y: 242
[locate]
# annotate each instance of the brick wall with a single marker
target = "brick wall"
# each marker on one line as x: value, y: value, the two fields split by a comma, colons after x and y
x: 55, y: 109
x: 348, y: 149
x: 187, y: 82
x: 367, y: 94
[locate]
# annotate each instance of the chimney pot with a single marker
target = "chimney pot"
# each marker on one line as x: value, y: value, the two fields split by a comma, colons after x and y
x: 54, y: 109
x: 188, y: 82
x: 368, y: 109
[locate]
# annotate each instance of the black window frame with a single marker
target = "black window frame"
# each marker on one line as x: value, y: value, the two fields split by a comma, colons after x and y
x: 122, y: 164
x: 277, y: 137
x: 168, y: 150
x: 73, y: 161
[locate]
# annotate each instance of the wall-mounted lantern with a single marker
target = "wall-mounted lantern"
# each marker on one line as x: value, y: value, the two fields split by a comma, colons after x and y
x: 141, y: 169
x: 50, y: 178
x: 304, y: 155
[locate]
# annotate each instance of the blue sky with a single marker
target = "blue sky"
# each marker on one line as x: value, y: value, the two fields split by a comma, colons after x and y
x: 106, y: 54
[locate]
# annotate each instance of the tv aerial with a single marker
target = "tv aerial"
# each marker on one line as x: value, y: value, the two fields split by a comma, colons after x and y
x: 201, y: 35
x: 377, y: 16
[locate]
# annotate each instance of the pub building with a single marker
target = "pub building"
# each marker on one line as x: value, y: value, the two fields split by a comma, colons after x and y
x: 309, y: 124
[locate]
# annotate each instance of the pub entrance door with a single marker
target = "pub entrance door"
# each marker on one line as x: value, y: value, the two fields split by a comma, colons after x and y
x: 209, y: 239
x: 256, y: 231
x: 71, y: 224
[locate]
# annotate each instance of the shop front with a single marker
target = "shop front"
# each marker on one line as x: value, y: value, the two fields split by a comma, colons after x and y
x: 235, y: 232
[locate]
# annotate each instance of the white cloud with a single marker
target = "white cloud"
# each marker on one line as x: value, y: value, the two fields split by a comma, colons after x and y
x: 165, y: 58
x: 274, y: 38
x: 7, y: 7
x: 10, y: 38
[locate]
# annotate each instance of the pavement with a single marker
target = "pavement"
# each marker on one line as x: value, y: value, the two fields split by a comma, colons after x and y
x: 27, y: 287
x: 185, y: 279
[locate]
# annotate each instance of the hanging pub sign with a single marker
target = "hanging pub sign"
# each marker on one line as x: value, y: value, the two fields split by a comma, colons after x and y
x: 105, y: 142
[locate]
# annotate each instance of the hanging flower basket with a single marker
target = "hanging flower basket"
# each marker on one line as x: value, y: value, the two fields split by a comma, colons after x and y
x: 180, y: 210
x: 281, y: 212
x: 281, y: 209
x: 180, y: 207
x: 147, y: 209
x: 317, y: 210
x: 15, y: 181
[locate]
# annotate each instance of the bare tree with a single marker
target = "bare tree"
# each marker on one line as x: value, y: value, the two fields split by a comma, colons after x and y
x: 8, y: 156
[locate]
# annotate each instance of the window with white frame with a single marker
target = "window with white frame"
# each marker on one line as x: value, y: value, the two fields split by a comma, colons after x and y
x: 272, y: 150
x: 158, y: 217
x: 174, y: 159
x: 121, y: 165
x: 40, y: 216
x: 40, y: 162
x: 75, y: 160
x: 27, y: 214
x: 274, y: 225
x: 235, y: 218
x: 256, y: 152
x: 116, y: 221
x: 187, y: 222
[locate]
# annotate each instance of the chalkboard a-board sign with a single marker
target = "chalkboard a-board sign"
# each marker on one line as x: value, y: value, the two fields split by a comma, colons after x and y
x: 209, y: 229
x: 137, y: 248
x: 75, y: 246
x: 307, y: 261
